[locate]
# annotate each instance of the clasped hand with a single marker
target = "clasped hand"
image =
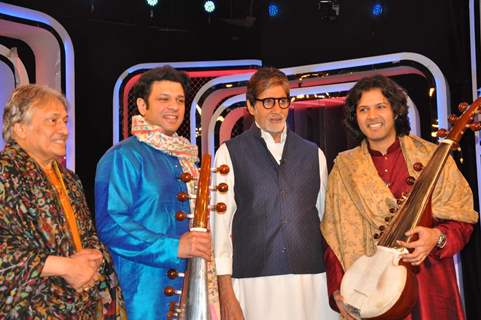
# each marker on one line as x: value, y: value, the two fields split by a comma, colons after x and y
x: 83, y: 269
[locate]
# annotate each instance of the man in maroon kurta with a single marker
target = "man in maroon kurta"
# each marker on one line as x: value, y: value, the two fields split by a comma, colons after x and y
x: 363, y: 189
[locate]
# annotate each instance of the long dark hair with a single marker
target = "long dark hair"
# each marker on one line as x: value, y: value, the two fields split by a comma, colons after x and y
x: 391, y: 90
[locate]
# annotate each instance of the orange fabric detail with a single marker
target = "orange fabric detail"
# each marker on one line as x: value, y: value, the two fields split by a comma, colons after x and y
x: 55, y: 177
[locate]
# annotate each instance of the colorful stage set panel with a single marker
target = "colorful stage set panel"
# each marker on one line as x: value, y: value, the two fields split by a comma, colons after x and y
x: 217, y: 99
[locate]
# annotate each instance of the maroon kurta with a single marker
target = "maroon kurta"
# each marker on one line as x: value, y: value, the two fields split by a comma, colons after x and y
x: 438, y: 292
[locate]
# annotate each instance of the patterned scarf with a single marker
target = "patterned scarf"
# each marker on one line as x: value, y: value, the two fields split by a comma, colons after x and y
x: 349, y: 225
x: 174, y: 145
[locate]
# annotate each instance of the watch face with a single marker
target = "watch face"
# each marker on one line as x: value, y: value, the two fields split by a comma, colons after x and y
x: 441, y: 241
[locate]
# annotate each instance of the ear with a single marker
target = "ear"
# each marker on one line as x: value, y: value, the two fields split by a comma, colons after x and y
x: 19, y: 131
x: 141, y: 106
x: 250, y: 108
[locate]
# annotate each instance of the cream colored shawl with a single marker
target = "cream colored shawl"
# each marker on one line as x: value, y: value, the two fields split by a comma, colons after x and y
x: 358, y: 200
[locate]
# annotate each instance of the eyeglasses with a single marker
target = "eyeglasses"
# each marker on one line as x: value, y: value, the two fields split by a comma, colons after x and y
x: 269, y: 103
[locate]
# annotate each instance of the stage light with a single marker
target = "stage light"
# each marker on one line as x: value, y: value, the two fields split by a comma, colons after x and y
x: 152, y: 3
x: 209, y: 6
x: 273, y: 9
x: 328, y: 9
x: 377, y: 9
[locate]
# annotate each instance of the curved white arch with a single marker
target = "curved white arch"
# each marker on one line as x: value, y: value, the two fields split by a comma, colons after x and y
x: 180, y: 65
x: 442, y: 93
x: 7, y: 79
x: 10, y: 78
x: 203, y: 89
x: 46, y: 48
x: 21, y: 74
x: 341, y: 87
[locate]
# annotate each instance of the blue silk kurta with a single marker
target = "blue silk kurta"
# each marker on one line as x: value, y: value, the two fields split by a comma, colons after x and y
x: 135, y: 199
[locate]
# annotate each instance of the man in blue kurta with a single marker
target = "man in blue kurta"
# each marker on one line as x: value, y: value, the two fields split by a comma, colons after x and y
x: 138, y: 212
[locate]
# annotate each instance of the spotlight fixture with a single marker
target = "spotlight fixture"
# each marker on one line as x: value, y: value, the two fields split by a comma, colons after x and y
x: 209, y: 6
x: 273, y: 9
x: 152, y: 3
x: 328, y: 9
x: 377, y: 9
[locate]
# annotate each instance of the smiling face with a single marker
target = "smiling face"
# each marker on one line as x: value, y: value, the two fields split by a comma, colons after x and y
x: 165, y: 106
x: 271, y: 120
x: 43, y: 134
x: 375, y: 118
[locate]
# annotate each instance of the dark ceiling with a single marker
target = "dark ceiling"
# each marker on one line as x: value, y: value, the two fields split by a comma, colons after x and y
x: 110, y: 36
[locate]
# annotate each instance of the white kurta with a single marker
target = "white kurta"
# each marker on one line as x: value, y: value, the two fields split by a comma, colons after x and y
x: 279, y: 297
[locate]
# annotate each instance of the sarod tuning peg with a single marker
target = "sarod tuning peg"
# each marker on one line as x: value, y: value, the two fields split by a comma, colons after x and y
x: 172, y: 315
x: 186, y: 177
x: 222, y: 169
x: 172, y: 274
x: 220, y: 207
x: 184, y: 196
x: 173, y: 306
x: 475, y: 126
x: 170, y: 291
x: 221, y: 187
x: 442, y: 133
x: 174, y: 311
x: 181, y: 215
x: 452, y: 119
x: 463, y: 106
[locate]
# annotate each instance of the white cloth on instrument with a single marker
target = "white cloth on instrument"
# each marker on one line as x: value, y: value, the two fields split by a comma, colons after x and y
x: 281, y: 297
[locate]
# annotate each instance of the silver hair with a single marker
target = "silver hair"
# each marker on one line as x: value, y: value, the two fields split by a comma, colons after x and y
x: 21, y: 103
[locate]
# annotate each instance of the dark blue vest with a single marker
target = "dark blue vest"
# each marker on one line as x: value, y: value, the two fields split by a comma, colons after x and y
x: 276, y: 228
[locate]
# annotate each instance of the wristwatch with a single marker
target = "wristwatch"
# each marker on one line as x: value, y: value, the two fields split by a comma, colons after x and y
x: 441, y: 241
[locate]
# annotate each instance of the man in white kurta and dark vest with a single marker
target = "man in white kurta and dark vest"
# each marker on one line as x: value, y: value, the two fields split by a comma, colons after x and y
x: 267, y: 245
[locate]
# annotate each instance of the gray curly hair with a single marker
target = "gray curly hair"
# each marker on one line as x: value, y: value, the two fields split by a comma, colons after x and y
x: 21, y: 103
